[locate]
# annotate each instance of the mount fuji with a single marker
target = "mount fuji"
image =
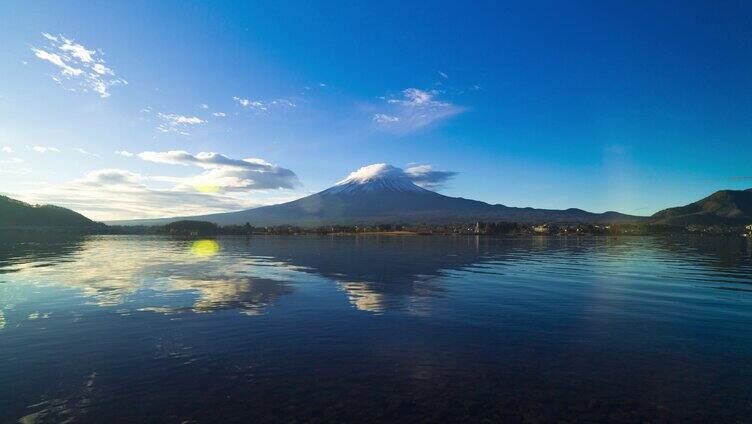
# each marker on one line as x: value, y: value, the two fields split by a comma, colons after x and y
x: 382, y: 193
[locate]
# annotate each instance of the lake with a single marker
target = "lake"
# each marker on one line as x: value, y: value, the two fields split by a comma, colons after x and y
x: 375, y: 328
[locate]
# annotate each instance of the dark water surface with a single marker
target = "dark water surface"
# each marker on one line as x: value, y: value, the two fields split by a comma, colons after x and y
x: 359, y: 329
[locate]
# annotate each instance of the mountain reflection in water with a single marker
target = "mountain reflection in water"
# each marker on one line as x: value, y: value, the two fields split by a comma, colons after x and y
x: 375, y: 328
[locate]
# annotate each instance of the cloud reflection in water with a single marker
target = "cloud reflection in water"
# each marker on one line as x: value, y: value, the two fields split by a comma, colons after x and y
x: 158, y: 272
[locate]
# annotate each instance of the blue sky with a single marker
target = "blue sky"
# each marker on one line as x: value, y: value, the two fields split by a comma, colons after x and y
x: 621, y: 106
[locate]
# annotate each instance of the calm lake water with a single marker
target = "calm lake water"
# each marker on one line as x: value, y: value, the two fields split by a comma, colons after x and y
x: 358, y: 329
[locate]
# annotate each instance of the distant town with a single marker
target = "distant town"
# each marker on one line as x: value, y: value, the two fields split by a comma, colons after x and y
x: 203, y: 228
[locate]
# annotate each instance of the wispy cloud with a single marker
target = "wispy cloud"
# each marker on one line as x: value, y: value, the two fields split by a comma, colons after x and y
x: 10, y: 165
x: 11, y: 160
x: 261, y: 106
x: 49, y: 36
x: 414, y: 97
x: 45, y: 149
x: 124, y: 153
x: 171, y: 122
x: 224, y: 174
x: 382, y: 118
x: 426, y: 177
x: 85, y: 152
x: 57, y: 61
x: 219, y: 114
x: 13, y: 166
x: 78, y: 64
x: 414, y: 110
x: 203, y: 106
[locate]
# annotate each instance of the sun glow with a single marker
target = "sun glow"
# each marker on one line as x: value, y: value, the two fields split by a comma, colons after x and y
x: 206, y: 188
x: 204, y: 248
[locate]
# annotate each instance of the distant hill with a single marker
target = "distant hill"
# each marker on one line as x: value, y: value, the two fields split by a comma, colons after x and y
x: 14, y: 213
x: 385, y: 194
x: 725, y: 207
x: 191, y: 227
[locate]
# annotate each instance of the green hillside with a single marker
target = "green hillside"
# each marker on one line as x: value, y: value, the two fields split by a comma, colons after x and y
x: 14, y: 213
x: 725, y: 207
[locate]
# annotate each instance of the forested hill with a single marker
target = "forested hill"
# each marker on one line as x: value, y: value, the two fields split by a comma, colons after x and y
x: 14, y: 213
x: 725, y: 207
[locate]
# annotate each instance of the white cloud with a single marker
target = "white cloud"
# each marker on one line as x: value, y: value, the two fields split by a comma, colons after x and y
x: 252, y: 104
x: 18, y: 171
x: 4, y: 160
x: 101, y: 69
x: 49, y: 37
x: 443, y: 75
x: 224, y: 184
x: 174, y: 119
x: 203, y: 106
x: 172, y: 122
x: 224, y: 174
x: 282, y: 103
x: 77, y: 50
x: 242, y: 102
x: 414, y: 97
x: 109, y: 194
x: 12, y: 160
x: 45, y: 149
x: 382, y: 118
x: 100, y: 87
x: 78, y: 64
x: 416, y: 109
x: 124, y: 153
x: 426, y: 177
x: 219, y: 114
x: 85, y: 152
x: 57, y: 61
x: 264, y: 106
x: 111, y: 177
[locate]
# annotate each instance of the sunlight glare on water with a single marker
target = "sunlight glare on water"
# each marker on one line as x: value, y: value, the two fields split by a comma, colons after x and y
x: 205, y: 248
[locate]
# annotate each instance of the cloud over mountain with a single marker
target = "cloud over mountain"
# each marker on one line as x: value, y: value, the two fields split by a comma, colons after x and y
x: 426, y: 177
x: 422, y: 175
x: 223, y: 173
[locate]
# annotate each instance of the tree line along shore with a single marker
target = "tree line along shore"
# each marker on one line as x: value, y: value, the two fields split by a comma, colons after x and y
x: 188, y: 227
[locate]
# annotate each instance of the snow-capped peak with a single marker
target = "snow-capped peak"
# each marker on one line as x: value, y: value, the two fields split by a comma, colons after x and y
x: 374, y: 172
x: 377, y: 177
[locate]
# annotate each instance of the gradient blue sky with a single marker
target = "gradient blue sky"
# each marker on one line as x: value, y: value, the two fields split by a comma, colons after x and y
x: 627, y: 106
